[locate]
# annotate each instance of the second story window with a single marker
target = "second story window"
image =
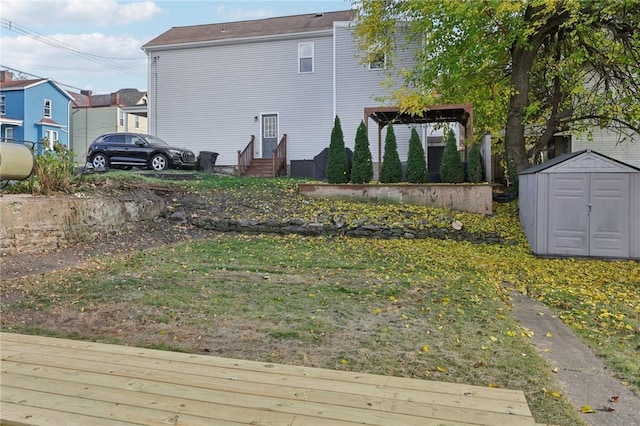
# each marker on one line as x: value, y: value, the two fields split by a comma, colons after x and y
x: 47, y: 108
x: 3, y: 105
x: 137, y: 121
x: 121, y: 118
x: 378, y: 61
x: 305, y: 57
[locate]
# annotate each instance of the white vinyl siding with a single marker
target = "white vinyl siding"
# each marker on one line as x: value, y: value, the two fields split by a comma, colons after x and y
x: 211, y: 106
x: 610, y: 144
x: 357, y: 88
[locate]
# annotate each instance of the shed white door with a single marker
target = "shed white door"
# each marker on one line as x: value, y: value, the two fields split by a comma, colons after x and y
x: 568, y: 214
x: 609, y: 219
x: 589, y: 214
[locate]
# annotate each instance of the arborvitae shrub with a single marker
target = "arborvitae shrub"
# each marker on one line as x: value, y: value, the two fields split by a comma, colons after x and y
x: 337, y: 161
x: 362, y: 167
x: 451, y: 167
x: 391, y: 166
x: 474, y: 164
x: 416, y: 163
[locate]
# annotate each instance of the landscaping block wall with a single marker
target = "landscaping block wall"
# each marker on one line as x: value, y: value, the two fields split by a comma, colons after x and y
x: 474, y: 198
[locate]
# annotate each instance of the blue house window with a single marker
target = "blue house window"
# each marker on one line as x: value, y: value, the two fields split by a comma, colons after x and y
x: 305, y: 57
x: 3, y: 105
x: 47, y: 108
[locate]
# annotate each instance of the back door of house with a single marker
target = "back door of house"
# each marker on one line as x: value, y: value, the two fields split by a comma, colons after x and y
x: 588, y: 214
x: 269, y: 134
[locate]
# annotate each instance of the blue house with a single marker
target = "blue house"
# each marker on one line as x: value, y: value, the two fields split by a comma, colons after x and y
x: 33, y: 111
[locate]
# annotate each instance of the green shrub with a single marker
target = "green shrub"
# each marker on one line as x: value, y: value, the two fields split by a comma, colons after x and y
x: 451, y: 167
x: 53, y: 170
x: 474, y: 164
x: 337, y: 161
x: 362, y: 167
x: 391, y: 166
x: 416, y: 163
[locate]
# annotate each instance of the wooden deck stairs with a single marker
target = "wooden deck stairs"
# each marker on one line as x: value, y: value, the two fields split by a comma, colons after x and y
x: 248, y: 165
x: 259, y: 167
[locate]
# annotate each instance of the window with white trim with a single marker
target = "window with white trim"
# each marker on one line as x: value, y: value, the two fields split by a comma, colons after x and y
x: 52, y: 137
x: 137, y: 121
x: 3, y: 105
x: 8, y: 133
x: 47, y: 108
x: 378, y: 61
x: 305, y: 57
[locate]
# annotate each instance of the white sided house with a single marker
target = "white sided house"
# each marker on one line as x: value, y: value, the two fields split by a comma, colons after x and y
x: 211, y: 87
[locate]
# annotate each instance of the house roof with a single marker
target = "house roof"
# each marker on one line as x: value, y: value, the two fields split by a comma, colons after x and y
x: 568, y: 156
x: 26, y: 84
x: 21, y: 84
x: 123, y: 98
x: 254, y: 28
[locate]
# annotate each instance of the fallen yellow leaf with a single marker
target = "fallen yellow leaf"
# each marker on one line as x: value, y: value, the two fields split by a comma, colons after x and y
x: 587, y: 409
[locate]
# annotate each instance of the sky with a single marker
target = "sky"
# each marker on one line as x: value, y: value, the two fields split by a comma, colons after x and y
x: 96, y: 44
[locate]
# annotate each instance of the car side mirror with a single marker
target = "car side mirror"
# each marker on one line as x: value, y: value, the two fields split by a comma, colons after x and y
x: 140, y: 142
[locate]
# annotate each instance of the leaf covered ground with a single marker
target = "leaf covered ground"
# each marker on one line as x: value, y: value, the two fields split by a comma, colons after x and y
x: 435, y: 309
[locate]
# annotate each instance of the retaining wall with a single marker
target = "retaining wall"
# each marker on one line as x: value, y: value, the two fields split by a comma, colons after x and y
x: 474, y: 198
x: 30, y: 224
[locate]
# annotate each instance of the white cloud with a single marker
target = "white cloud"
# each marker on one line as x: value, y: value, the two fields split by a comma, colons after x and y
x: 43, y: 13
x: 110, y: 57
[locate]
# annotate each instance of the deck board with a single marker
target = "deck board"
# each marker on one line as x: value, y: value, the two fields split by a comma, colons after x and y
x: 45, y: 380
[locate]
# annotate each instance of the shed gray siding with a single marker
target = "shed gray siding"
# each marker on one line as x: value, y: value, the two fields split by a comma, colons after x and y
x: 206, y: 98
x: 582, y: 204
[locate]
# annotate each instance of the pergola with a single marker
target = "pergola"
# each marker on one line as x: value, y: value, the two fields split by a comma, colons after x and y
x: 383, y: 116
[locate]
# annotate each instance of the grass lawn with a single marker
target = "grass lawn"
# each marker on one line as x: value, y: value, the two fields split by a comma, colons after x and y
x: 429, y: 309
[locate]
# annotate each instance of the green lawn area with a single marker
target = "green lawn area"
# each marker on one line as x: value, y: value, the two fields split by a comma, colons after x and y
x: 428, y: 309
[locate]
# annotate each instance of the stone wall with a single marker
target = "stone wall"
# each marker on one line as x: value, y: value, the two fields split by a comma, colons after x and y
x: 30, y: 224
x: 474, y: 198
x: 364, y: 231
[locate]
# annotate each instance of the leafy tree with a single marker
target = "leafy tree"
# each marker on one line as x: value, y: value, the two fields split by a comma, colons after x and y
x: 362, y: 167
x: 451, y: 167
x: 566, y: 65
x: 474, y: 164
x: 337, y: 161
x: 416, y: 163
x: 391, y: 171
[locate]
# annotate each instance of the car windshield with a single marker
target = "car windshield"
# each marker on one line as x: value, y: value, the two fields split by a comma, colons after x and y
x: 155, y: 140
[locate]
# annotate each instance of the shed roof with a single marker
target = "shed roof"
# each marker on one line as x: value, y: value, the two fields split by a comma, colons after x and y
x: 253, y: 28
x: 607, y: 163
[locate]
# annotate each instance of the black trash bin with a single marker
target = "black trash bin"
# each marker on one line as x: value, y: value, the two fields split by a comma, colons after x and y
x: 208, y: 161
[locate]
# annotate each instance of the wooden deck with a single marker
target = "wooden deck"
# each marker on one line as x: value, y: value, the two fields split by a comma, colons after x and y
x: 48, y: 381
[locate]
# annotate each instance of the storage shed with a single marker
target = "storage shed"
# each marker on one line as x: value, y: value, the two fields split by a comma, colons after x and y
x: 581, y: 204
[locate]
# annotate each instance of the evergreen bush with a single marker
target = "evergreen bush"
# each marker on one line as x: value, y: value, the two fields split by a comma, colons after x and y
x: 362, y: 167
x: 474, y: 164
x: 416, y: 163
x: 337, y: 161
x: 391, y: 171
x: 451, y: 167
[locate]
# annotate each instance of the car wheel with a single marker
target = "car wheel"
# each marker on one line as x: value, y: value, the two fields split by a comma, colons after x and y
x: 99, y: 161
x: 159, y: 162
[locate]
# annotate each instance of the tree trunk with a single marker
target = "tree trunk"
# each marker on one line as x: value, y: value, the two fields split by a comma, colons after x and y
x: 516, y: 155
